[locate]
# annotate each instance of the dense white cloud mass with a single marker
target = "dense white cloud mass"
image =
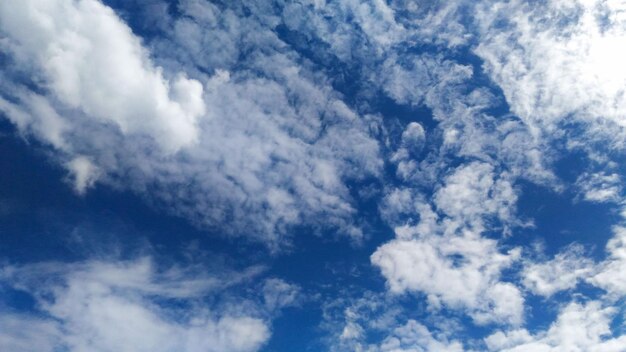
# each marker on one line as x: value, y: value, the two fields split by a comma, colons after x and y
x: 254, y: 149
x: 445, y: 257
x: 89, y: 60
x: 458, y: 272
x: 126, y: 306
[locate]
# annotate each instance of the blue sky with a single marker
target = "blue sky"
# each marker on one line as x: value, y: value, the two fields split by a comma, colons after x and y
x: 342, y: 175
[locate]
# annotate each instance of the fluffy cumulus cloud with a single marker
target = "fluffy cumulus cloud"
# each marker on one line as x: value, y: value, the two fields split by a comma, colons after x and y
x: 255, y: 146
x: 457, y: 272
x: 444, y: 255
x: 91, y: 62
x: 126, y: 306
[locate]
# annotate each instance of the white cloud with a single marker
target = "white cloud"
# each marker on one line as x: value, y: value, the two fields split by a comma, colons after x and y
x: 125, y: 306
x: 411, y: 142
x: 421, y: 79
x: 90, y: 61
x: 221, y: 122
x: 579, y: 327
x: 25, y: 334
x: 468, y: 196
x: 473, y: 191
x: 415, y: 337
x: 376, y: 322
x: 611, y: 274
x: 259, y: 146
x: 351, y: 27
x: 558, y: 62
x: 35, y: 113
x: 84, y: 173
x: 444, y: 255
x: 434, y: 23
x: 458, y: 272
x: 561, y: 273
x: 600, y: 187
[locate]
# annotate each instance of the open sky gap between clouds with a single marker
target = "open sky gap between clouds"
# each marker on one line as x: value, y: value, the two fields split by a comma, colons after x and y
x: 260, y: 119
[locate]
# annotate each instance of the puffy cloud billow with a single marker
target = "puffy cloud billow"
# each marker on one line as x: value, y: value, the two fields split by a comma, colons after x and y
x: 439, y: 139
x: 258, y: 149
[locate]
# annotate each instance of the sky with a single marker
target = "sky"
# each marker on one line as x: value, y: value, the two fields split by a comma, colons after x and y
x: 320, y: 175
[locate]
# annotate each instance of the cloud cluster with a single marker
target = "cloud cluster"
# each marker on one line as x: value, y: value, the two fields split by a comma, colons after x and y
x: 611, y: 275
x: 90, y: 61
x: 355, y: 319
x: 579, y: 327
x: 600, y: 187
x: 250, y: 147
x: 414, y: 336
x: 233, y: 118
x: 453, y: 271
x: 443, y: 254
x: 558, y: 63
x: 561, y: 273
x: 128, y: 306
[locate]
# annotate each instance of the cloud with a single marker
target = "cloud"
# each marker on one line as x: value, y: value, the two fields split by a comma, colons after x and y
x: 414, y: 336
x: 278, y: 294
x: 126, y: 306
x: 248, y: 145
x: 443, y: 255
x: 611, y: 274
x: 472, y: 192
x: 376, y: 322
x: 83, y: 173
x: 420, y: 79
x: 600, y: 187
x: 579, y: 327
x: 456, y: 272
x: 411, y: 143
x: 568, y: 267
x: 558, y: 63
x: 21, y: 333
x: 91, y: 62
x: 232, y: 118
